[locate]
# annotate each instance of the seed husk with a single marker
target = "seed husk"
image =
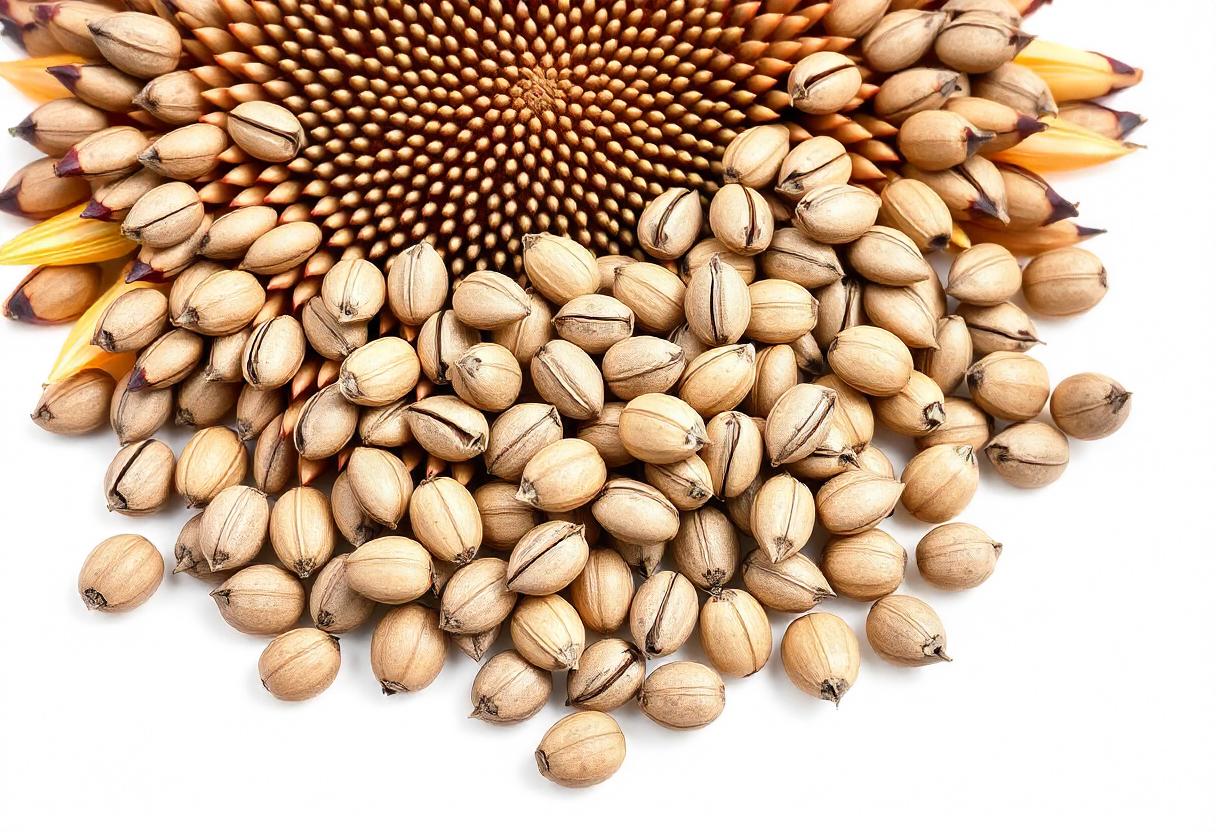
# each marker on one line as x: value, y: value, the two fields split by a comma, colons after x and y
x: 187, y: 557
x: 871, y: 360
x: 489, y: 300
x: 525, y: 337
x: 610, y: 673
x: 444, y: 518
x: 866, y: 566
x: 1009, y: 385
x: 793, y: 585
x: 569, y: 379
x: 741, y: 219
x: 274, y: 352
x: 408, y: 649
x: 518, y: 435
x: 165, y: 216
x: 132, y: 321
x: 914, y: 90
x: 120, y: 573
x: 266, y: 131
x: 956, y: 556
x: 815, y: 162
x: 167, y: 360
x: 834, y: 455
x: 417, y: 284
x: 448, y: 428
x: 391, y: 570
x: 37, y: 192
x: 940, y: 482
x: 797, y: 258
x: 1029, y: 454
x: 836, y: 214
x: 1067, y: 281
x: 823, y: 83
x: 1008, y: 125
x: 686, y: 483
x: 781, y: 311
x: 915, y: 209
x: 856, y: 501
x: 904, y: 312
x: 906, y: 631
x: 302, y: 530
x: 333, y: 605
x: 718, y: 379
x: 213, y: 459
x: 581, y: 750
x: 654, y: 294
x: 355, y: 526
x: 1033, y: 203
x: 504, y: 519
x: 683, y: 695
x: 559, y: 268
x: 54, y: 294
x: 733, y: 453
x: 917, y: 410
x: 798, y: 423
x: 1004, y: 327
x: 224, y: 359
x: 593, y: 323
x: 821, y: 655
x: 736, y: 633
x: 76, y: 405
x: 191, y: 152
x: 379, y: 372
x: 547, y: 632
x: 901, y: 38
x: 275, y: 460
x: 353, y: 290
x: 562, y: 476
x: 603, y: 591
x: 136, y: 415
x: 476, y: 645
x: 1018, y: 87
x: 671, y: 223
x: 963, y: 424
x: 642, y: 364
x: 1090, y: 406
x: 299, y: 664
x: 204, y: 402
x: 381, y: 485
x: 755, y: 155
x: 853, y: 415
x: 261, y: 600
x: 890, y: 257
x: 717, y: 304
x: 698, y: 258
x: 386, y: 426
x: 663, y: 614
x: 706, y: 549
x: 947, y: 363
x: 854, y: 18
x: 282, y: 248
x: 635, y: 512
x: 659, y: 429
x: 782, y: 517
x: 140, y: 478
x: 233, y: 528
x: 508, y: 689
x: 441, y: 341
x: 476, y: 598
x: 973, y: 190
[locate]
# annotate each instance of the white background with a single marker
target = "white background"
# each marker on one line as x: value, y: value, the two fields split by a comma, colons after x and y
x: 1082, y: 686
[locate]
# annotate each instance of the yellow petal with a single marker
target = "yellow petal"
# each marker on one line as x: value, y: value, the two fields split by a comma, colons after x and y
x: 78, y: 352
x: 1074, y: 74
x: 1064, y: 146
x: 30, y: 76
x: 66, y: 240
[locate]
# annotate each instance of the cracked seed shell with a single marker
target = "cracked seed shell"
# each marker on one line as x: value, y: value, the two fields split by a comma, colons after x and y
x: 132, y: 321
x: 821, y: 655
x: 854, y: 415
x: 120, y: 573
x: 610, y: 674
x: 417, y: 284
x: 299, y: 664
x: 355, y: 526
x: 901, y: 38
x: 836, y: 214
x: 449, y: 428
x: 1003, y: 327
x: 917, y: 410
x: 167, y: 360
x: 719, y: 379
x: 663, y: 614
x: 741, y: 219
x: 139, y: 480
x: 754, y: 157
x: 654, y: 294
x: 381, y: 485
x: 671, y: 223
x: 386, y: 426
x: 706, y: 549
x: 683, y: 695
x: 275, y: 460
x: 733, y: 453
x: 547, y: 631
x: 963, y: 424
x: 782, y: 517
x: 266, y: 131
x: 518, y: 435
x: 642, y: 364
x: 507, y: 689
x: 261, y: 600
x: 685, y: 483
x: 798, y: 423
x: 915, y: 209
x: 823, y: 83
x: 273, y: 354
x: 834, y: 455
x: 698, y: 258
x: 353, y: 290
x: 136, y: 415
x: 889, y: 257
x: 593, y: 323
x: 441, y: 341
x: 717, y: 304
x: 568, y: 378
x: 815, y: 162
x: 956, y: 556
x: 904, y: 312
x: 906, y: 631
x: 547, y: 558
x: 489, y: 300
x: 408, y: 649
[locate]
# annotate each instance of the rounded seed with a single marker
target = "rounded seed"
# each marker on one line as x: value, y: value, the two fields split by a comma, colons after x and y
x: 1090, y: 406
x: 977, y: 42
x: 915, y: 209
x: 871, y: 360
x: 793, y: 585
x: 547, y: 558
x: 836, y: 214
x: 610, y: 673
x: 213, y: 459
x: 120, y: 573
x: 1067, y: 281
x: 417, y: 284
x: 890, y: 257
x: 594, y: 323
x: 824, y: 83
x: 518, y: 435
x: 448, y: 428
x: 441, y: 341
x: 379, y: 372
x: 663, y: 614
x: 233, y: 528
x: 559, y: 268
x: 821, y: 655
x: 733, y: 453
x: 266, y: 131
x: 508, y: 689
x: 603, y: 591
x: 274, y: 353
x: 917, y: 410
x: 136, y: 414
x: 635, y: 512
x: 671, y: 223
x: 736, y: 633
x: 655, y: 295
x: 504, y: 519
x: 856, y: 501
x: 302, y: 530
x: 1028, y: 454
x: 391, y: 570
x: 947, y: 363
x: 963, y: 424
x: 353, y: 290
x: 717, y: 304
x: 568, y: 378
x: 76, y: 405
x: 581, y: 750
x: 547, y: 631
x: 865, y: 566
x: 261, y: 600
x: 782, y: 517
x: 642, y: 364
x: 906, y: 631
x: 984, y: 275
x: 939, y: 482
x: 706, y: 549
x: 755, y: 155
x: 1009, y: 385
x: 381, y: 485
x: 817, y: 161
x: 408, y: 649
x: 683, y: 695
x: 741, y: 219
x: 686, y: 483
x: 781, y: 311
x: 719, y: 378
x: 476, y: 598
x: 658, y: 428
x: 901, y: 38
x: 139, y: 480
x: 525, y: 337
x: 299, y: 664
x: 956, y: 556
x: 333, y: 604
x: 489, y: 300
x: 563, y: 476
